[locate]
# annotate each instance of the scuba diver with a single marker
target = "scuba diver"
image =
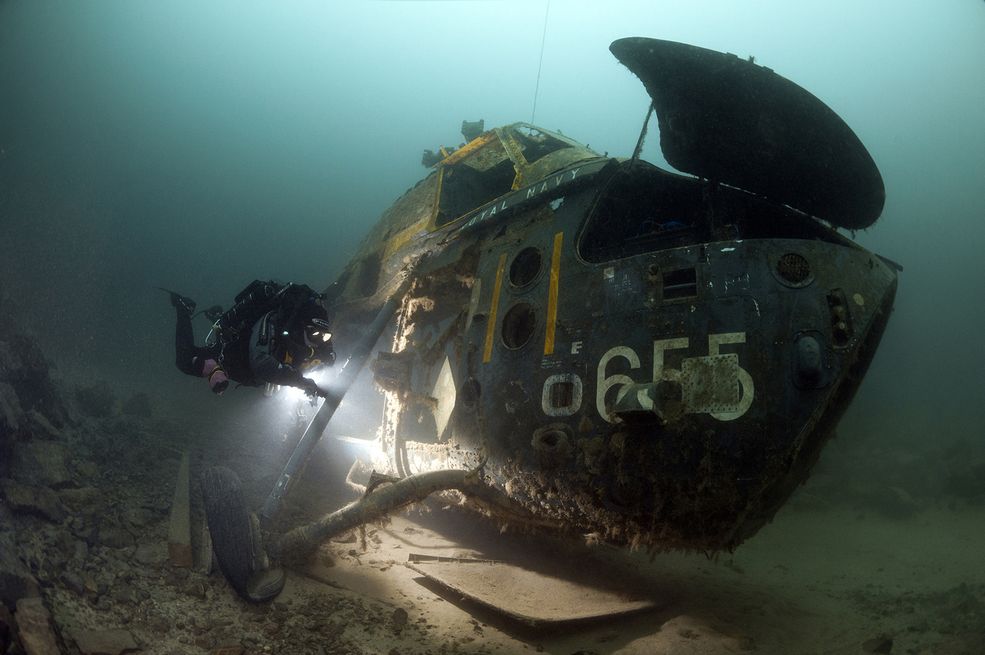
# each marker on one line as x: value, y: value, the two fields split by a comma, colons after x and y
x: 274, y: 333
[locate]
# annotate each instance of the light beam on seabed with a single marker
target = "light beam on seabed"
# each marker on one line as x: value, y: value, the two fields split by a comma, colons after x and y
x: 293, y: 409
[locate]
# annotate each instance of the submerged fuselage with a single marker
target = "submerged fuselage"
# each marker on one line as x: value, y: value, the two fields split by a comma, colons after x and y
x: 650, y: 357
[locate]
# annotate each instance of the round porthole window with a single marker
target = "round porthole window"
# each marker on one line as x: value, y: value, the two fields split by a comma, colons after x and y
x: 525, y: 267
x: 518, y: 325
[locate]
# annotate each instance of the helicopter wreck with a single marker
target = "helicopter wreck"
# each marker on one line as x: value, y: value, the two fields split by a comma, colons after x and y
x: 650, y: 358
x: 594, y: 345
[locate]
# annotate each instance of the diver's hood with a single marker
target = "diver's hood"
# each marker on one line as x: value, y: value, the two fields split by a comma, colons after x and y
x: 731, y: 121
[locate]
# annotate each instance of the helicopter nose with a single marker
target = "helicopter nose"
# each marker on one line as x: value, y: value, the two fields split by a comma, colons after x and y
x: 851, y: 294
x: 858, y: 317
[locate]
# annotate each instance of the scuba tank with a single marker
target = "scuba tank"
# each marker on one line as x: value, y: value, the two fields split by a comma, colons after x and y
x: 250, y: 304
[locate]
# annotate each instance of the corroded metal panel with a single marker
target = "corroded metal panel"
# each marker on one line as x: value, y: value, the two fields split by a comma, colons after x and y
x: 710, y: 384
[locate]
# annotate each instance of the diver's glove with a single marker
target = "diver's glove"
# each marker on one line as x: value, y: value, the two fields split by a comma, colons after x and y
x: 313, y: 391
x: 311, y: 388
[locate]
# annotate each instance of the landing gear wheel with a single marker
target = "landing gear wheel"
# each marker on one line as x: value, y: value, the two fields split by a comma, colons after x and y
x: 236, y: 537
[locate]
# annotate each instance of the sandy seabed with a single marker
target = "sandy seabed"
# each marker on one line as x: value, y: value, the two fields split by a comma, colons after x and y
x: 823, y: 577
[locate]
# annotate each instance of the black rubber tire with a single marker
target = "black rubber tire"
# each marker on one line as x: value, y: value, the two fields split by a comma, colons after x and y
x: 229, y: 526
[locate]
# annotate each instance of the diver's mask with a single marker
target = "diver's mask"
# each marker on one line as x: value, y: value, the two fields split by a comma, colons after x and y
x: 319, y: 342
x: 316, y: 334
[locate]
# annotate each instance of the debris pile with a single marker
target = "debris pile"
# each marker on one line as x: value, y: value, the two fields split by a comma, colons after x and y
x: 85, y: 498
x: 33, y: 465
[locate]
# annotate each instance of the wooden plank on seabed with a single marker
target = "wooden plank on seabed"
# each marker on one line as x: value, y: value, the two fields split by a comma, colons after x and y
x: 534, y: 598
x: 180, y: 533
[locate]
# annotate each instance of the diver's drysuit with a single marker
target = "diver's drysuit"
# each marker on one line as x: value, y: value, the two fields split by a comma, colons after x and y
x: 272, y: 334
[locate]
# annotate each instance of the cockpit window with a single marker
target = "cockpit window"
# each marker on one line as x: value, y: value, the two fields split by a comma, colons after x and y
x: 642, y: 209
x: 536, y: 143
x: 463, y: 187
x: 492, y: 165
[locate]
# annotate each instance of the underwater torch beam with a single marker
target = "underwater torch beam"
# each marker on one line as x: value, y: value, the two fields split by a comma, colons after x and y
x: 350, y: 370
x: 236, y: 534
x: 303, y: 540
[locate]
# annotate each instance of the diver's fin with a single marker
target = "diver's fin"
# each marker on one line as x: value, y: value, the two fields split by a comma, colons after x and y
x: 177, y: 300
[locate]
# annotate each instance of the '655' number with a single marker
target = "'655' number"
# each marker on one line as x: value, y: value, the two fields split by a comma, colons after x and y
x: 662, y: 372
x: 572, y: 383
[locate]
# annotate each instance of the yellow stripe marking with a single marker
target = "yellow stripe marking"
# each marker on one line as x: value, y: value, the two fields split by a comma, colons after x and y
x: 552, y: 294
x: 469, y: 148
x: 437, y: 199
x: 494, y: 306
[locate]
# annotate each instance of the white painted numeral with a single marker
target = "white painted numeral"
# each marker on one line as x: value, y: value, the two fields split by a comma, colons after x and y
x: 662, y: 372
x: 747, y: 388
x: 605, y: 383
x: 576, y: 390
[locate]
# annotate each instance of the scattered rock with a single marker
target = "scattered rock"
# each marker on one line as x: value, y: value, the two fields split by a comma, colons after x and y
x: 83, y: 500
x: 38, y: 501
x: 152, y: 554
x: 124, y: 595
x: 105, y: 642
x: 42, y: 428
x: 195, y: 589
x: 96, y: 400
x: 11, y: 413
x: 27, y: 369
x: 8, y: 361
x: 228, y: 649
x: 8, y: 628
x: 141, y: 516
x: 113, y: 536
x: 682, y: 635
x: 73, y: 582
x: 86, y: 469
x: 93, y: 587
x: 42, y: 464
x: 398, y: 620
x: 138, y: 404
x: 65, y: 547
x: 160, y: 624
x: 16, y: 581
x: 34, y: 627
x: 882, y: 644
